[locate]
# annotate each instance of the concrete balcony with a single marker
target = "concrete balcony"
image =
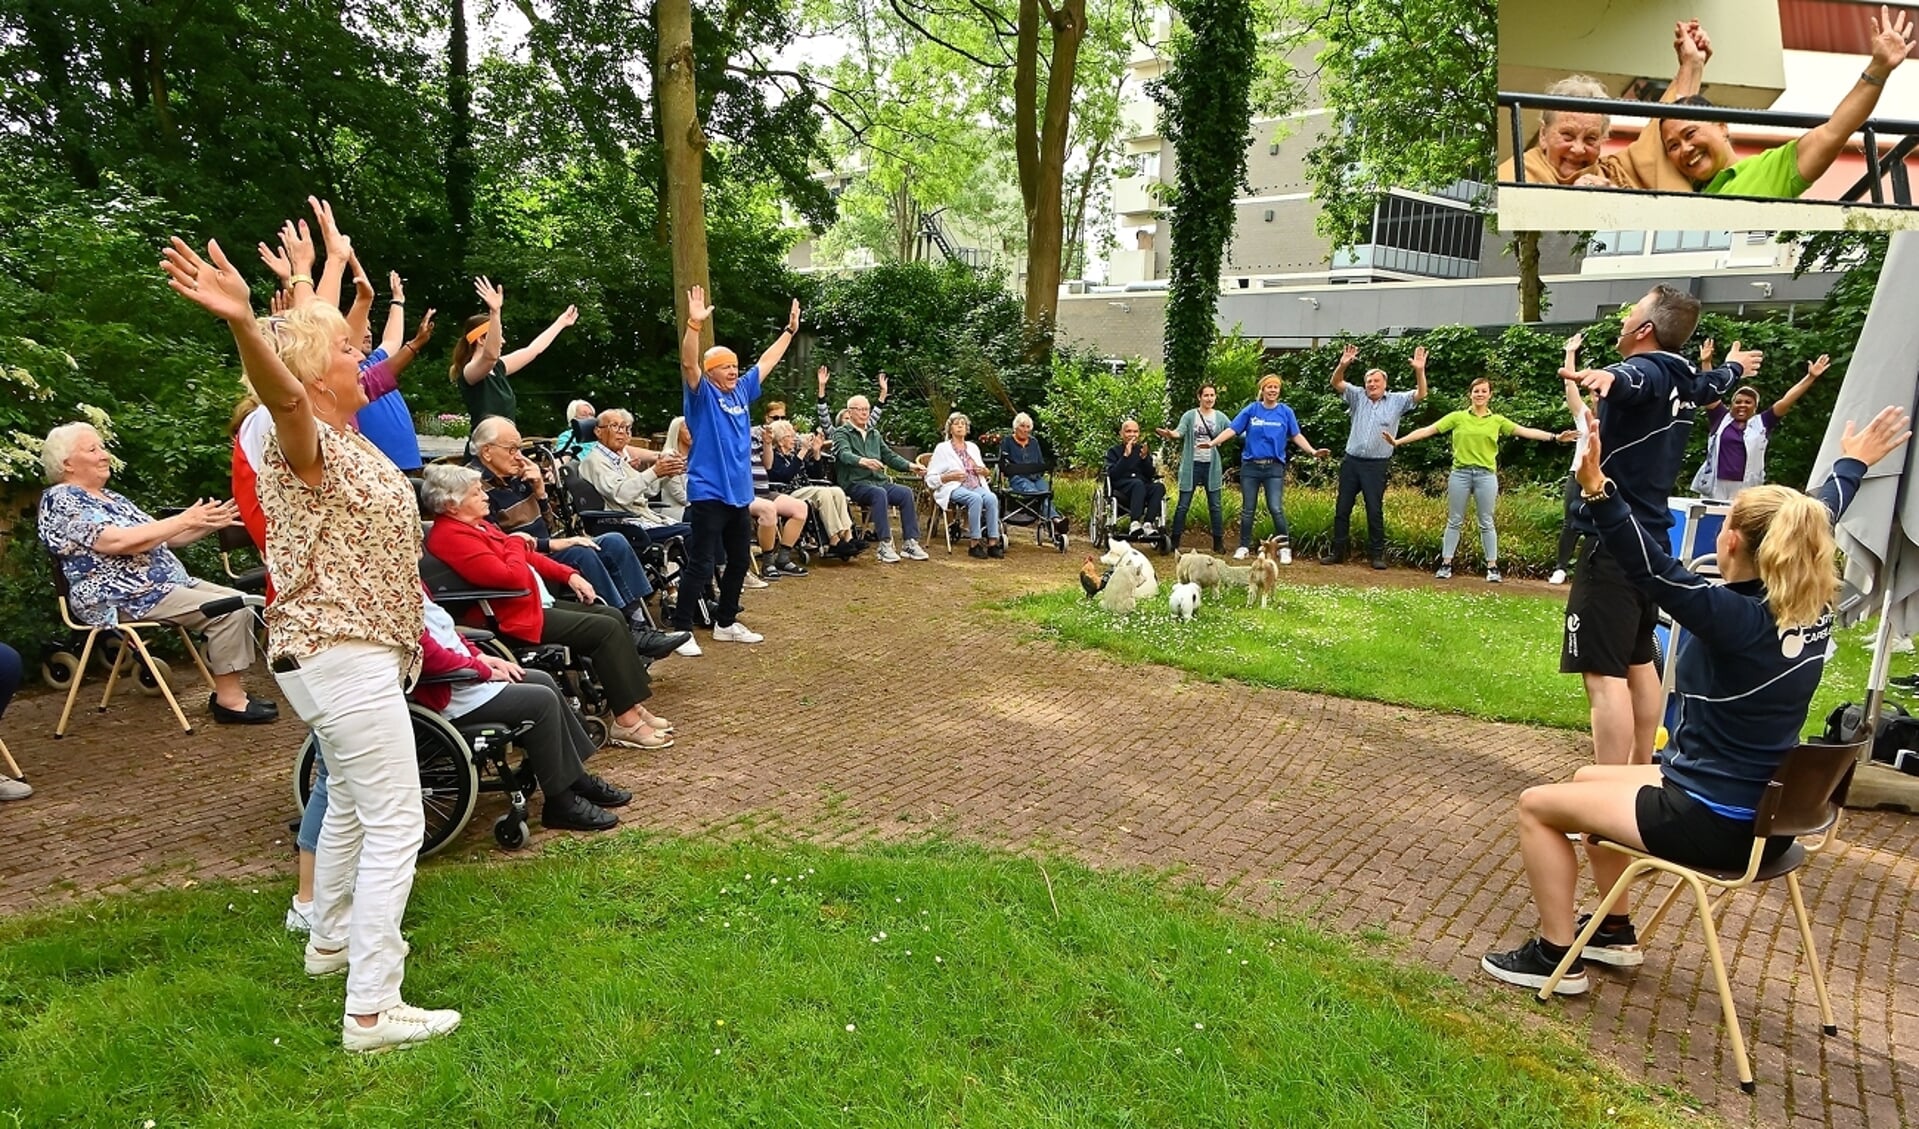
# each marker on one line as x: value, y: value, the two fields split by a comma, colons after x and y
x: 1133, y: 199
x: 1130, y: 266
x: 1139, y: 122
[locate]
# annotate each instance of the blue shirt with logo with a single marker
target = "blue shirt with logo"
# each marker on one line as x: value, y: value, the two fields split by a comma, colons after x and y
x: 719, y: 467
x: 388, y: 424
x: 1265, y: 431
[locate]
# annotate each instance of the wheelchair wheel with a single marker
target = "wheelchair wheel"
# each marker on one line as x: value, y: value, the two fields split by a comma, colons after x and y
x: 59, y: 670
x: 449, y: 782
x: 150, y: 679
x: 596, y: 730
x: 1096, y: 527
x: 510, y: 832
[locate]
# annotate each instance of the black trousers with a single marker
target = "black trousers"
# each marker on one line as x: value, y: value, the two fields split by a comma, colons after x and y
x: 718, y: 529
x: 601, y: 634
x: 557, y: 745
x: 1568, y: 536
x: 1139, y: 499
x: 1364, y: 478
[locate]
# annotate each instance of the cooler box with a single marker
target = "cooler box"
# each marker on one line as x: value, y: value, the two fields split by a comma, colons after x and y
x: 1695, y: 532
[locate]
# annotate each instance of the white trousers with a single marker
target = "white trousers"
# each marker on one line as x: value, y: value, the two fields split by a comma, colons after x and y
x: 370, y: 840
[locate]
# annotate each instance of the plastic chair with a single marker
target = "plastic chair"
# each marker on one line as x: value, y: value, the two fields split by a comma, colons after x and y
x: 1803, y: 799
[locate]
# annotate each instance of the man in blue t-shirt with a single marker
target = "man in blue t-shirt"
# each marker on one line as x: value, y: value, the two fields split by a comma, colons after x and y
x: 386, y: 421
x: 717, y: 402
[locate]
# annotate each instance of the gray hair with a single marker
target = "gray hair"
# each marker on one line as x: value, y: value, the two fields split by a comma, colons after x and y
x: 1577, y: 86
x: 573, y: 410
x: 961, y: 417
x: 675, y: 437
x: 489, y: 430
x: 59, y: 447
x: 1022, y: 418
x: 444, y: 485
x: 779, y: 429
x: 614, y: 415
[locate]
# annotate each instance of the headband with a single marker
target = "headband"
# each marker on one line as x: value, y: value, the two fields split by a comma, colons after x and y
x: 478, y: 331
x: 719, y: 355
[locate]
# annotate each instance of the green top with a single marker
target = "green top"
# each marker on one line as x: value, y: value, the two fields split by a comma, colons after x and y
x: 493, y: 396
x: 1476, y: 438
x: 849, y: 447
x: 1773, y: 174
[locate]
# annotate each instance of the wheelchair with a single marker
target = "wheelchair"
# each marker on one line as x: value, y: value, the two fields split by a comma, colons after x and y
x: 451, y: 757
x: 586, y: 513
x: 1104, y: 525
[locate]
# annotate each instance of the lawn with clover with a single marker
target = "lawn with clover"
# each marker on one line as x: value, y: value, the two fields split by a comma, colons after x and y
x: 630, y: 981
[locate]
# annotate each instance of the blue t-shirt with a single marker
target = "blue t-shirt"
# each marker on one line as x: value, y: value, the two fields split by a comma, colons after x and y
x: 719, y: 467
x: 388, y: 424
x: 1265, y: 431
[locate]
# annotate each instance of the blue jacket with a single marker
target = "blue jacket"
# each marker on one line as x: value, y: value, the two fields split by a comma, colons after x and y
x: 1644, y: 420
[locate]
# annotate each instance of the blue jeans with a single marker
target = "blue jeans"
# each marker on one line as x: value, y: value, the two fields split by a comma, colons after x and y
x: 308, y: 838
x: 614, y: 570
x: 1253, y: 475
x: 976, y: 502
x: 1212, y: 510
x: 10, y: 674
x: 1483, y: 485
x: 1032, y: 484
x: 878, y: 498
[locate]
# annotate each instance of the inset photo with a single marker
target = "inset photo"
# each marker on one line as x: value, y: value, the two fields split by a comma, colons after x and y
x: 1706, y: 114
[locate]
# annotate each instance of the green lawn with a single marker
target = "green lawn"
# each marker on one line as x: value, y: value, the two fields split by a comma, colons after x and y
x: 1460, y: 648
x: 628, y: 982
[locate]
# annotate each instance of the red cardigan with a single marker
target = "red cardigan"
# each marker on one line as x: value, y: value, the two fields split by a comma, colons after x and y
x: 436, y: 659
x: 487, y: 558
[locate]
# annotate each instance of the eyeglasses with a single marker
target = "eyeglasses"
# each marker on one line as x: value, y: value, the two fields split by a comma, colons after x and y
x: 617, y: 428
x: 774, y: 419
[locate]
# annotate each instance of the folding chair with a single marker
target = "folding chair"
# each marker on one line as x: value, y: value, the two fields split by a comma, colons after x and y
x: 128, y: 632
x: 1804, y: 799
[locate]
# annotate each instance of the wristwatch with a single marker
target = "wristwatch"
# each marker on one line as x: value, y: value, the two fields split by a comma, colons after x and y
x: 1607, y: 489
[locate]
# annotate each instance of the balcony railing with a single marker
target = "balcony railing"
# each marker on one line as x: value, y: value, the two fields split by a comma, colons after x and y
x: 1880, y: 168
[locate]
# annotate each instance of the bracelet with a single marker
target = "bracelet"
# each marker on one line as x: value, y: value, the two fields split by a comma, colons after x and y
x: 695, y: 326
x: 297, y: 279
x: 1866, y: 77
x: 397, y: 304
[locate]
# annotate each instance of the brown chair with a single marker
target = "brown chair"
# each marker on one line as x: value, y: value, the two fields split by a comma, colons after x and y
x: 1803, y: 799
x: 128, y: 632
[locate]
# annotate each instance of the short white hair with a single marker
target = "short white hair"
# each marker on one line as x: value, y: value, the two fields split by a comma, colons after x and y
x: 1022, y: 418
x: 573, y: 410
x: 444, y: 485
x: 489, y: 430
x: 1577, y: 86
x: 59, y: 447
x: 614, y: 415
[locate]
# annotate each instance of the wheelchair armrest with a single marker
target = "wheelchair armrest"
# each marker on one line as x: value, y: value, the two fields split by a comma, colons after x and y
x: 475, y: 595
x: 475, y: 634
x: 609, y: 517
x: 450, y: 678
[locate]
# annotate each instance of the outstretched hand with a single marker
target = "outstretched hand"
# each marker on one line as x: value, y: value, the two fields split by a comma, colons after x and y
x: 278, y: 262
x: 493, y: 296
x: 1887, y: 431
x: 824, y: 375
x: 1419, y: 358
x: 1389, y: 437
x: 1706, y: 351
x: 1891, y: 38
x: 1748, y: 359
x: 212, y: 283
x: 1818, y: 368
x: 1574, y: 342
x: 338, y: 246
x: 1348, y: 355
x: 1588, y: 473
x: 424, y: 334
x: 696, y: 307
x: 567, y: 317
x: 793, y: 319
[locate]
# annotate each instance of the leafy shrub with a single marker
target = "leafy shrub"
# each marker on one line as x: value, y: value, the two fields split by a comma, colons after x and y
x: 1088, y: 401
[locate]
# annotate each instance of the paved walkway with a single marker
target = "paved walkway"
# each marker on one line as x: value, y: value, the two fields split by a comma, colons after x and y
x: 888, y: 704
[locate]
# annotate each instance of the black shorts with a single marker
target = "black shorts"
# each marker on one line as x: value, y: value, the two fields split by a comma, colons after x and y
x: 1678, y: 828
x: 1609, y: 620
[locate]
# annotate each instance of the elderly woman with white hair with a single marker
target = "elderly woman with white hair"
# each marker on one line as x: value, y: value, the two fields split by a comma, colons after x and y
x: 787, y: 467
x: 119, y: 564
x: 343, y: 545
x: 576, y: 430
x: 1023, y: 461
x: 957, y: 475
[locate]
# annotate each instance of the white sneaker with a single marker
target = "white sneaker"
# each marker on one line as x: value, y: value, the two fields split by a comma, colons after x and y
x: 1240, y: 553
x: 1285, y: 556
x: 1901, y: 644
x: 690, y: 648
x: 11, y: 789
x: 886, y: 553
x: 1558, y: 576
x: 912, y: 551
x: 737, y: 632
x: 300, y: 917
x: 398, y: 1026
x: 753, y: 580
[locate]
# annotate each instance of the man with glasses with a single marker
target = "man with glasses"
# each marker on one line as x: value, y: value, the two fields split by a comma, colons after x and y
x: 1646, y: 406
x: 627, y: 482
x: 516, y: 499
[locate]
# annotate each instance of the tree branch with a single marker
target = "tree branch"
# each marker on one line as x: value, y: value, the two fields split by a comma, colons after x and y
x: 960, y: 51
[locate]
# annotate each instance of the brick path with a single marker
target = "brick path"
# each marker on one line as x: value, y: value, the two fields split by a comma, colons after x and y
x: 888, y: 704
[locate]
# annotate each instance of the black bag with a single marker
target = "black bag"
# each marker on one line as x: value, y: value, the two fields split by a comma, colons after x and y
x: 1896, y: 730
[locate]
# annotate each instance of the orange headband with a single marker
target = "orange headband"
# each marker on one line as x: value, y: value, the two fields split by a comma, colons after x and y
x: 719, y: 355
x: 478, y: 332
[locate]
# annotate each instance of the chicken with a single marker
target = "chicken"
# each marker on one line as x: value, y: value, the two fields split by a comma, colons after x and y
x: 1090, y: 578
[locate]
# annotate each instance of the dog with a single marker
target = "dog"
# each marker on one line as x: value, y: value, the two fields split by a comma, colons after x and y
x: 1120, y: 595
x: 1122, y: 557
x: 1263, y: 576
x: 1198, y: 568
x: 1184, y: 600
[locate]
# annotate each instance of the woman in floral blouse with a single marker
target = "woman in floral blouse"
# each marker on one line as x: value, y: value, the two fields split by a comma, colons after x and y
x: 119, y: 563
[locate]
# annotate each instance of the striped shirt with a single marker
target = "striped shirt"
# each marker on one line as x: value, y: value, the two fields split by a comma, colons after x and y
x: 1370, y: 417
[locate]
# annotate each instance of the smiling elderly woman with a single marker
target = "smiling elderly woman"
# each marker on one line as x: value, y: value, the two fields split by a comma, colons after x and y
x: 119, y: 563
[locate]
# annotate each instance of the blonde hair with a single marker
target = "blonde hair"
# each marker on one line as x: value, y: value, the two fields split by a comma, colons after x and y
x: 306, y: 338
x: 1789, y: 537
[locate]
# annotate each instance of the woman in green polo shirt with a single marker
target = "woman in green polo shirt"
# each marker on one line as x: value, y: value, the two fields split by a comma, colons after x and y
x: 1476, y: 434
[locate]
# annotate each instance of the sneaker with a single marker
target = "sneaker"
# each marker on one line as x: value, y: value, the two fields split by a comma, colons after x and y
x: 1492, y: 576
x: 912, y: 551
x: 591, y: 787
x: 1558, y: 576
x: 753, y: 580
x: 1529, y: 967
x: 1285, y: 556
x: 300, y: 917
x: 399, y: 1026
x: 1218, y: 545
x: 997, y: 550
x: 571, y: 811
x: 320, y: 963
x: 11, y: 789
x: 1134, y: 529
x: 978, y: 551
x: 653, y: 644
x: 886, y: 553
x: 737, y: 632
x: 1328, y: 557
x: 1444, y: 572
x: 1379, y: 564
x: 690, y: 648
x: 1241, y: 553
x: 1617, y: 947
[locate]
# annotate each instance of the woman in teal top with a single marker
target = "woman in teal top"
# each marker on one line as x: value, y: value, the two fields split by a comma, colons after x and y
x: 1203, y: 422
x: 1476, y: 434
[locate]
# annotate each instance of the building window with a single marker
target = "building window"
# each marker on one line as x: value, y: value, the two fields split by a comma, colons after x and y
x: 1423, y: 237
x: 1618, y: 243
x: 1674, y: 241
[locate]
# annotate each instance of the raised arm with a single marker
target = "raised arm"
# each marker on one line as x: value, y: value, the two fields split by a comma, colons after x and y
x: 409, y: 351
x: 395, y: 332
x: 1814, y: 370
x: 296, y: 244
x: 523, y: 356
x: 1694, y: 49
x: 488, y: 354
x: 217, y: 287
x: 360, y: 314
x: 1346, y: 357
x: 1575, y: 404
x: 697, y: 313
x: 1820, y: 146
x: 777, y: 349
x: 339, y: 249
x: 1419, y: 375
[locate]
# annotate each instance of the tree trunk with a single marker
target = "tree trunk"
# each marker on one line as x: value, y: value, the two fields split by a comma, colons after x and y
x: 1531, y: 290
x: 47, y: 33
x: 1042, y: 156
x: 685, y: 150
x: 460, y: 163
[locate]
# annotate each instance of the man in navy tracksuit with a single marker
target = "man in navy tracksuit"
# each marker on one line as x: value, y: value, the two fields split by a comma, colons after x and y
x: 1646, y: 408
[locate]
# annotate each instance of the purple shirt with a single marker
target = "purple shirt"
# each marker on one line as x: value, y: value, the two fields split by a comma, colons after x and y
x: 1732, y: 445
